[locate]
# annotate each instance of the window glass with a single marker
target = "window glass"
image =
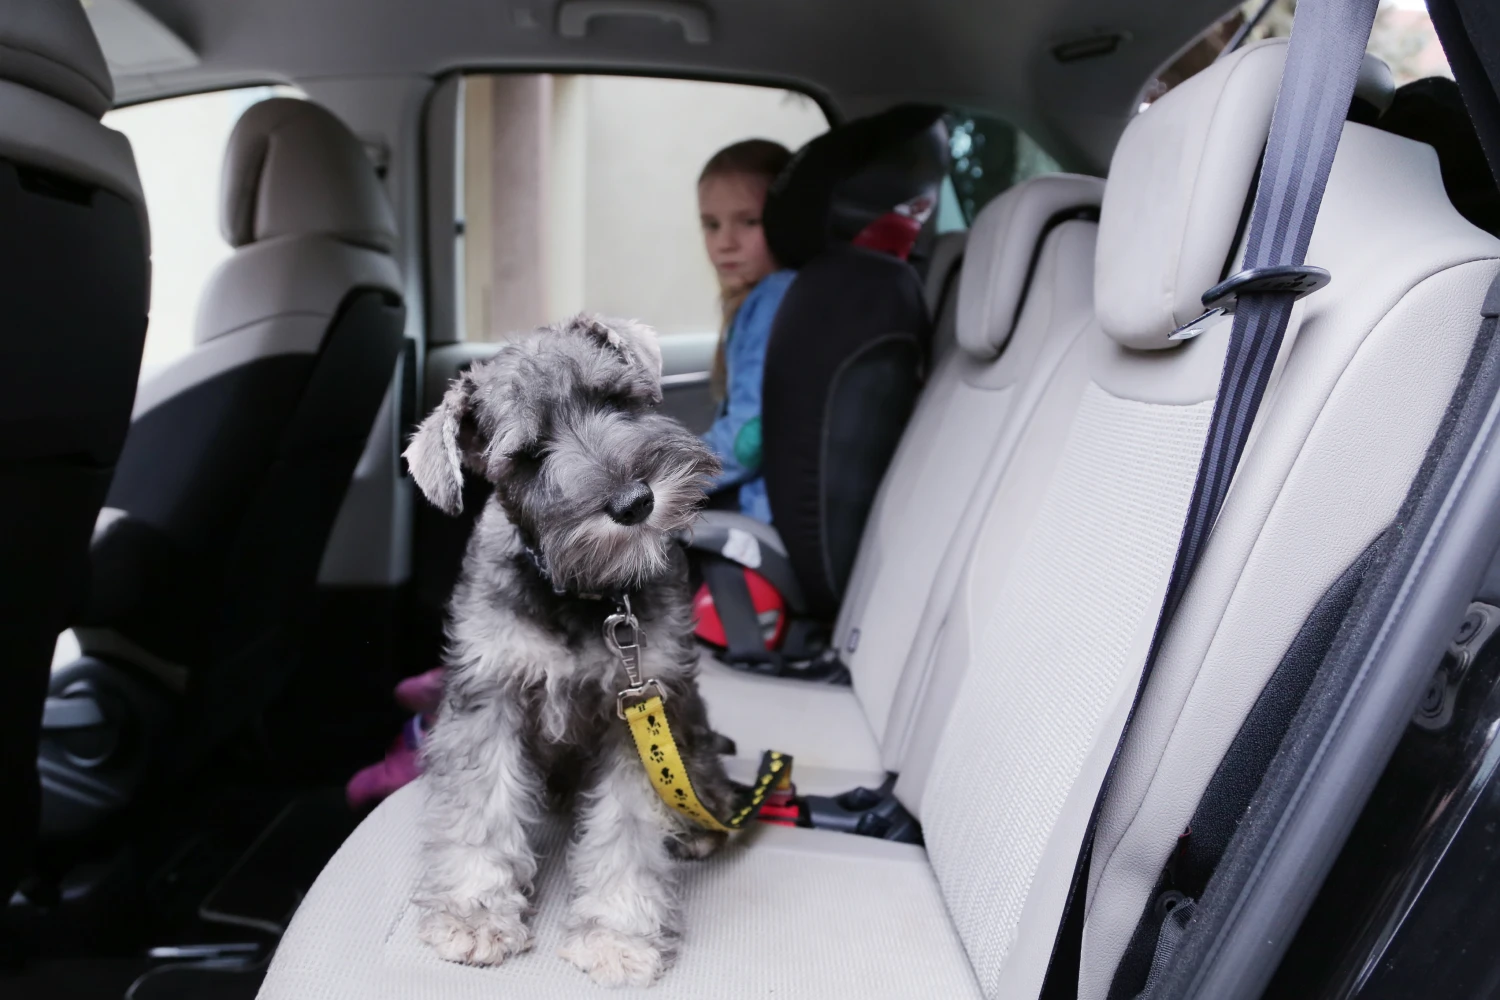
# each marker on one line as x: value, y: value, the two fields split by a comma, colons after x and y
x: 1403, y: 36
x: 179, y: 150
x: 989, y: 155
x: 581, y: 192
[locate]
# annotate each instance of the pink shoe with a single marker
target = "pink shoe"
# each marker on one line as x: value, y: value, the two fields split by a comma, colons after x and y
x: 420, y: 694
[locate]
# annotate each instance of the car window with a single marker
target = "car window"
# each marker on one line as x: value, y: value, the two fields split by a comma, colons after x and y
x: 581, y: 191
x: 1403, y: 36
x: 179, y: 151
x: 989, y: 155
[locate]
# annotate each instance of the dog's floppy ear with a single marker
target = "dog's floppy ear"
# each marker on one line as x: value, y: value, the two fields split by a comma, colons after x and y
x: 436, y: 453
x: 637, y: 344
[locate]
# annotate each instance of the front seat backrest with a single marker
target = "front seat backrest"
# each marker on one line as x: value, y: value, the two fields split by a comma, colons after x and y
x: 241, y: 452
x: 74, y: 284
x: 849, y: 343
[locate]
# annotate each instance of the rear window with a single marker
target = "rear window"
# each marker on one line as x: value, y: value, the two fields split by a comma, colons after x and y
x: 989, y: 156
x: 582, y: 190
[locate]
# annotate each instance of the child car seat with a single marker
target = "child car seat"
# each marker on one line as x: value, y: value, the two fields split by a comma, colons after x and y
x: 843, y: 369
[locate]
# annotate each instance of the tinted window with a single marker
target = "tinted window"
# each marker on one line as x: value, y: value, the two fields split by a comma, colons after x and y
x: 989, y: 155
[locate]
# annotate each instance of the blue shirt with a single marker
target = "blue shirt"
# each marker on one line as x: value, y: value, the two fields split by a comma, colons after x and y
x: 735, y: 434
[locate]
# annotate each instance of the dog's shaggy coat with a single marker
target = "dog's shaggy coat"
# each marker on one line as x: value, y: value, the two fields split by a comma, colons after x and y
x: 563, y: 423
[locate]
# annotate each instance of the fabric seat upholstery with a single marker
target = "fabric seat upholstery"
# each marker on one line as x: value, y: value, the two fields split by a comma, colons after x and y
x: 1043, y: 646
x: 1044, y: 639
x: 75, y: 287
x: 743, y: 938
x: 1025, y: 285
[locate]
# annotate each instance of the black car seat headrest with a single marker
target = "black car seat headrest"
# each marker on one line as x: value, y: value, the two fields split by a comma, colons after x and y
x: 1431, y: 110
x: 852, y: 175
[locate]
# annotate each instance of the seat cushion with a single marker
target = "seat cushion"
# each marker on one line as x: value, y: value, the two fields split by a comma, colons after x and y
x: 822, y: 726
x: 760, y: 920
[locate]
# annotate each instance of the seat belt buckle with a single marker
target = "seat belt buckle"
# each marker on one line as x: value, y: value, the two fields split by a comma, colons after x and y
x: 781, y: 808
x: 1299, y: 279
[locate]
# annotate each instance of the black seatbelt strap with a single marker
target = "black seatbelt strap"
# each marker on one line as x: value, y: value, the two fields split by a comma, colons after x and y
x: 745, y: 647
x: 1317, y: 84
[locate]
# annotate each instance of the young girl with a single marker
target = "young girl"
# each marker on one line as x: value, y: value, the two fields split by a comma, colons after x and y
x: 731, y: 194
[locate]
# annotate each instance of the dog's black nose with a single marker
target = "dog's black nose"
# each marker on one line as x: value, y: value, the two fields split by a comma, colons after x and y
x: 632, y: 503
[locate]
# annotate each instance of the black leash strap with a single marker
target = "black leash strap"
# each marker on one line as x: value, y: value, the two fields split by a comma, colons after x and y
x: 1323, y: 58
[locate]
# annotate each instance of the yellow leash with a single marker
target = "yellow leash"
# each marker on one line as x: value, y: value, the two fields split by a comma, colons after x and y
x: 643, y: 707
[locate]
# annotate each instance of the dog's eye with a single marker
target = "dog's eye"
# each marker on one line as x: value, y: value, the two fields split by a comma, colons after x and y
x: 621, y: 399
x: 531, y: 454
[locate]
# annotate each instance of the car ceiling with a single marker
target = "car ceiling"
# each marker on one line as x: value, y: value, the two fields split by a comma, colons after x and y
x: 856, y: 55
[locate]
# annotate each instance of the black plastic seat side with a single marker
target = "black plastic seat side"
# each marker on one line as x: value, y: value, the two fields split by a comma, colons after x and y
x: 230, y: 491
x: 847, y: 352
x: 74, y: 280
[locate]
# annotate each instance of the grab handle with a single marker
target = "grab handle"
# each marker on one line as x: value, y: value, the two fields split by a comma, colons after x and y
x: 573, y: 16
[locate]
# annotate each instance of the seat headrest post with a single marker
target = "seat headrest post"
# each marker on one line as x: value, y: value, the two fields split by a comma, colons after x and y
x: 49, y: 46
x: 293, y: 169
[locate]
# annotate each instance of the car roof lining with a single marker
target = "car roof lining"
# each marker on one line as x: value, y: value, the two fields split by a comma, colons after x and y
x: 855, y: 56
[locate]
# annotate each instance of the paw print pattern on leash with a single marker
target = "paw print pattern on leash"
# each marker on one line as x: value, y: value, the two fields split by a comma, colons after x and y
x: 664, y: 767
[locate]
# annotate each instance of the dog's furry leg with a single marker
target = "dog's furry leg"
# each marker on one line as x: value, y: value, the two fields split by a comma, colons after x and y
x: 623, y: 924
x: 478, y: 863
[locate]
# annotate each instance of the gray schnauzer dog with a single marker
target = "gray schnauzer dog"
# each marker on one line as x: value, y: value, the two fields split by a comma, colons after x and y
x: 590, y: 482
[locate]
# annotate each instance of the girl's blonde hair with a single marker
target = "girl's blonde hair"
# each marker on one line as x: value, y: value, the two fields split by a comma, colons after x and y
x: 757, y: 158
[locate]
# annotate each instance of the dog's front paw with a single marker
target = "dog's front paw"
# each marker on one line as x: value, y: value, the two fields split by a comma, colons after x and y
x: 694, y: 845
x: 614, y: 959
x: 480, y: 938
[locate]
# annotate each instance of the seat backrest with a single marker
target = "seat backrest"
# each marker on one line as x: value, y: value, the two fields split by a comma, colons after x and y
x: 1024, y: 292
x: 1046, y: 633
x: 239, y: 454
x: 1377, y: 357
x: 74, y: 283
x: 844, y: 362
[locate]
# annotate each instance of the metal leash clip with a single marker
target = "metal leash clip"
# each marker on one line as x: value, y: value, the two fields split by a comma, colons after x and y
x: 629, y: 652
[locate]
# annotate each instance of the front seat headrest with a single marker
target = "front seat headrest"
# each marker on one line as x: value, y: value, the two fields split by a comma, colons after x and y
x: 1432, y: 110
x: 51, y: 48
x: 1374, y: 89
x: 293, y: 169
x: 851, y: 175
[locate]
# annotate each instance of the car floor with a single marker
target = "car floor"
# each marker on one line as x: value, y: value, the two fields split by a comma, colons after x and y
x: 186, y: 896
x: 185, y: 908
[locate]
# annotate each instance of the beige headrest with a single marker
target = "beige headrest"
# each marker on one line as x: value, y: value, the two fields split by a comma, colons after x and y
x: 293, y: 169
x: 1002, y: 245
x: 49, y: 46
x: 1178, y: 186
